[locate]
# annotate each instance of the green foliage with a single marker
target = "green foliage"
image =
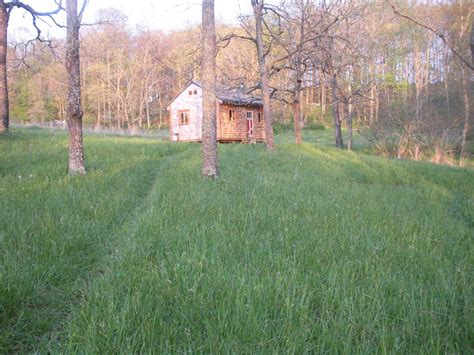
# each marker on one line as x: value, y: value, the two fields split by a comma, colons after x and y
x: 313, y: 126
x: 307, y: 249
x: 19, y: 98
x: 280, y: 127
x: 315, y: 115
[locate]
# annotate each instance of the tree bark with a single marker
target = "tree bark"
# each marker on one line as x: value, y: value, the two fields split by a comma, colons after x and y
x: 471, y: 42
x: 74, y: 112
x: 297, y: 104
x: 466, y: 87
x: 4, y: 106
x: 335, y: 113
x: 299, y: 79
x: 209, y: 101
x: 297, y: 118
x: 257, y: 6
x: 349, y: 113
x: 322, y: 84
x: 446, y: 87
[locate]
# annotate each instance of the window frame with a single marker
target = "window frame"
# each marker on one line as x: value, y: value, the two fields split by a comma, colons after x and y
x: 180, y: 122
x: 251, y: 116
x: 260, y: 118
x: 231, y: 115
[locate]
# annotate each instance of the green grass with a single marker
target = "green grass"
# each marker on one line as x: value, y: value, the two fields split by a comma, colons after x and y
x: 307, y: 249
x: 323, y: 137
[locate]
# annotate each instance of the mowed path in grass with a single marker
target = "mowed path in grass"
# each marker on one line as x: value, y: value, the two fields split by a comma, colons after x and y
x: 305, y: 249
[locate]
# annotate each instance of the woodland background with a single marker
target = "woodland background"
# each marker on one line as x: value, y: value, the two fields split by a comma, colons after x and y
x: 358, y: 62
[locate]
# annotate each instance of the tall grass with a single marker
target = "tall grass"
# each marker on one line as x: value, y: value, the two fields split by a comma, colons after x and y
x: 307, y: 249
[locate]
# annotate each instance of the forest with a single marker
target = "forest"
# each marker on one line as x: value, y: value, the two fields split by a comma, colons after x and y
x: 397, y: 73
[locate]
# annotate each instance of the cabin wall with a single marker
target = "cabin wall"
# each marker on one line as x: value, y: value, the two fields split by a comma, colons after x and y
x: 259, y: 127
x: 237, y: 130
x: 193, y: 103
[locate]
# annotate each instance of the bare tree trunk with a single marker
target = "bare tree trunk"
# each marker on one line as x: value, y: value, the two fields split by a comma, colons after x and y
x: 209, y: 116
x: 267, y: 110
x: 160, y: 113
x: 74, y: 112
x: 349, y: 126
x: 323, y: 94
x: 335, y: 112
x: 471, y: 42
x: 97, y: 124
x: 147, y: 109
x: 466, y: 86
x: 446, y: 86
x: 298, y: 82
x: 336, y: 115
x: 297, y: 117
x: 348, y: 105
x: 4, y: 106
x: 372, y: 94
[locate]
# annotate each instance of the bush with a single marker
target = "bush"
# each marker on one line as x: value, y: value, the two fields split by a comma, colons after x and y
x: 313, y: 126
x: 280, y: 127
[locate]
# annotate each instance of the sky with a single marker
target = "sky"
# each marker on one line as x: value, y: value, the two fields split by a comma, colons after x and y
x: 166, y: 15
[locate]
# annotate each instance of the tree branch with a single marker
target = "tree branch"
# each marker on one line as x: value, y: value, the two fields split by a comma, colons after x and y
x: 438, y: 34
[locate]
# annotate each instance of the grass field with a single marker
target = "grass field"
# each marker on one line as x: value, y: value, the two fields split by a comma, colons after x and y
x: 307, y: 249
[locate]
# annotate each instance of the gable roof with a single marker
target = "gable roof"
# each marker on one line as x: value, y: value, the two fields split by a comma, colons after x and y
x: 235, y: 95
x: 231, y: 95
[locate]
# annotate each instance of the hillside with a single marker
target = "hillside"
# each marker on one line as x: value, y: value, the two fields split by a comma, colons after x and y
x: 305, y: 249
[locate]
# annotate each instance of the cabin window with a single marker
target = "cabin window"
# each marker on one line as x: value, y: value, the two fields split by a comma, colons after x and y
x: 260, y: 117
x: 250, y: 115
x: 231, y: 115
x: 183, y: 117
x: 195, y: 92
x: 190, y: 92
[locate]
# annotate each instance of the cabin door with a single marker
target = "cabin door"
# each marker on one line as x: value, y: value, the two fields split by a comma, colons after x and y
x: 250, y: 124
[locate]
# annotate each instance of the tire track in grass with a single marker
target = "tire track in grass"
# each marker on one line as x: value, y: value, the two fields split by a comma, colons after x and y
x: 52, y: 342
x: 54, y: 244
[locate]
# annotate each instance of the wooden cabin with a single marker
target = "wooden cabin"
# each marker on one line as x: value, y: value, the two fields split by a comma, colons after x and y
x: 239, y: 115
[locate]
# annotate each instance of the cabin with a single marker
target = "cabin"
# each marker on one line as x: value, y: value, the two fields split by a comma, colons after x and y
x: 239, y: 115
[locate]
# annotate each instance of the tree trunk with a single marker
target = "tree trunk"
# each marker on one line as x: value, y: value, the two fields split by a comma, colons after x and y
x: 471, y: 42
x: 209, y: 115
x: 160, y: 114
x: 264, y: 85
x: 466, y: 87
x: 74, y: 112
x: 297, y: 118
x: 97, y: 123
x: 446, y: 87
x: 349, y: 130
x: 4, y: 107
x: 323, y: 94
x: 297, y: 104
x: 335, y: 113
x: 147, y: 108
x: 348, y: 117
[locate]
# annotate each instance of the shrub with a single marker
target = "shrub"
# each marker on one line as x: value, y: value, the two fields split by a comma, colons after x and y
x: 313, y: 126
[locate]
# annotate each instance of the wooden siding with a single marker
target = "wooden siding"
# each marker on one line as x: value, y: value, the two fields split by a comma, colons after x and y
x: 236, y: 130
x: 193, y: 103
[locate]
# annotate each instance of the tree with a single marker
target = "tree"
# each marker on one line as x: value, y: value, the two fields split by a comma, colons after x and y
x: 4, y: 114
x: 257, y: 6
x: 5, y: 9
x: 74, y: 111
x: 300, y: 24
x: 209, y: 101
